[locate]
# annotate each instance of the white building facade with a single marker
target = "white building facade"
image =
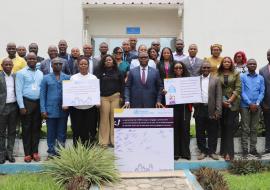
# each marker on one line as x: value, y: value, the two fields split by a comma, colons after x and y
x: 236, y: 24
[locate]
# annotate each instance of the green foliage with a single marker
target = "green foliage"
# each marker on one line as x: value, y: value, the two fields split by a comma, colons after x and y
x: 259, y: 181
x: 82, y: 166
x: 244, y: 167
x: 27, y: 181
x: 211, y: 179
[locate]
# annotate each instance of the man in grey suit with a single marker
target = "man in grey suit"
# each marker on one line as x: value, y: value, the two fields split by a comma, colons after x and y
x: 8, y: 111
x: 208, y: 113
x: 265, y: 72
x: 46, y: 65
x: 144, y: 87
x: 193, y: 63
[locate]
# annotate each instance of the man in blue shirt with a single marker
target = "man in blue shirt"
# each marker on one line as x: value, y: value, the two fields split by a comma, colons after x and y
x: 28, y: 82
x: 251, y: 98
x: 51, y: 106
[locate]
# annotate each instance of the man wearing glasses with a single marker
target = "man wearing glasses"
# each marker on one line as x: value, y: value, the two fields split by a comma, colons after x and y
x: 143, y: 88
x: 51, y: 106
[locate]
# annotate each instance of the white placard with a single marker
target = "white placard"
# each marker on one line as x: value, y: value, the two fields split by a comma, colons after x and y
x: 183, y: 90
x: 81, y: 93
x: 144, y: 140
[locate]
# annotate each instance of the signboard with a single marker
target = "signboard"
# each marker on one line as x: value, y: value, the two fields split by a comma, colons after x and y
x: 144, y: 139
x: 133, y: 30
x: 183, y: 90
x: 81, y: 93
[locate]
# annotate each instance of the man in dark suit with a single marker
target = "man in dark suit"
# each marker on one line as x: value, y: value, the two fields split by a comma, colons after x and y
x: 265, y: 72
x: 193, y: 63
x: 144, y: 87
x: 46, y: 65
x: 8, y: 111
x: 207, y: 113
x: 93, y: 62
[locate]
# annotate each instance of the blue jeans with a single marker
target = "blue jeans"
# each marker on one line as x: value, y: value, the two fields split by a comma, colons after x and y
x: 56, y: 130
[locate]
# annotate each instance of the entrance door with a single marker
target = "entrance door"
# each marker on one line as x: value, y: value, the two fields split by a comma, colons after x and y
x: 114, y: 42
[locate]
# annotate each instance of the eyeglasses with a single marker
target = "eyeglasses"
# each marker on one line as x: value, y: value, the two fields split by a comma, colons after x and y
x: 176, y: 68
x: 119, y: 52
x: 143, y: 57
x: 206, y: 67
x: 156, y: 44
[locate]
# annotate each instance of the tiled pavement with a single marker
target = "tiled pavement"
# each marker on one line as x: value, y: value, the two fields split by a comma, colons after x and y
x: 152, y: 181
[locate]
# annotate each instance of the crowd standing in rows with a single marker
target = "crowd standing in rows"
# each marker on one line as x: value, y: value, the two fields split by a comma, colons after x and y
x: 31, y: 87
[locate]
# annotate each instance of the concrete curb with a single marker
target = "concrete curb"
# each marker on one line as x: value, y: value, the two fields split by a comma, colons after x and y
x: 192, y: 180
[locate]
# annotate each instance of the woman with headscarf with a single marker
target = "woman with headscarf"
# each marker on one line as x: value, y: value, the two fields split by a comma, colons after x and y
x: 215, y: 59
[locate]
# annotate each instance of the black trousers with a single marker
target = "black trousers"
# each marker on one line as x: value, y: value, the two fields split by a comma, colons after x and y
x: 182, y: 118
x: 266, y: 117
x: 206, y: 127
x: 31, y: 126
x: 228, y: 126
x: 8, y: 123
x: 84, y: 124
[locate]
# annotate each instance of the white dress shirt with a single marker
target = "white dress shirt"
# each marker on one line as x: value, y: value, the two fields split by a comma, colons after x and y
x: 90, y: 65
x: 11, y: 98
x: 145, y: 72
x: 135, y: 63
x: 178, y: 57
x: 80, y: 77
x: 205, y: 85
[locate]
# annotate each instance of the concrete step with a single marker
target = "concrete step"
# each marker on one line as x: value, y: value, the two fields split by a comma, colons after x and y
x: 18, y: 148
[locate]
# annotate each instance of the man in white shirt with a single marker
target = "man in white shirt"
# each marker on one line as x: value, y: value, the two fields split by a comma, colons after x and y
x: 208, y: 113
x: 178, y: 55
x: 8, y: 111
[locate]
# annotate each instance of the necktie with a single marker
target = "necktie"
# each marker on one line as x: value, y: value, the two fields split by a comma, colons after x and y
x: 143, y: 76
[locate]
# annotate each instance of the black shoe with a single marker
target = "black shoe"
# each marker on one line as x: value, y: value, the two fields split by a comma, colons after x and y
x: 255, y: 153
x: 10, y: 158
x: 2, y: 161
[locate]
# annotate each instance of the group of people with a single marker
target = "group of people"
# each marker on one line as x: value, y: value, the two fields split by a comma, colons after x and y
x: 130, y: 77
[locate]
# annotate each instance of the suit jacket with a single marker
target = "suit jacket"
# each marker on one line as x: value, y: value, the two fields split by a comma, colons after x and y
x: 233, y: 87
x: 161, y: 69
x: 3, y: 90
x: 266, y: 75
x: 45, y: 67
x: 214, y: 98
x: 193, y: 69
x: 141, y: 95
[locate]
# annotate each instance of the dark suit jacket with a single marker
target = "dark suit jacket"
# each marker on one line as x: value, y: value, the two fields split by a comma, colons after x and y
x: 266, y: 75
x: 161, y: 69
x: 141, y: 95
x: 45, y: 67
x: 214, y: 98
x: 3, y: 90
x: 193, y: 69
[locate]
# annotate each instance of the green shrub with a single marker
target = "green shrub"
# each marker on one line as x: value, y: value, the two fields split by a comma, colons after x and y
x: 211, y: 179
x: 78, y: 167
x: 244, y: 167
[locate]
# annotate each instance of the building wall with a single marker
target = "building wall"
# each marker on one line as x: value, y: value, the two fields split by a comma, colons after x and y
x: 237, y: 25
x: 152, y: 22
x: 42, y: 21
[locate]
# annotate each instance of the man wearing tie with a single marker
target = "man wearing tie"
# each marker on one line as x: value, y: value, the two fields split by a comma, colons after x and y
x: 143, y: 88
x: 193, y: 63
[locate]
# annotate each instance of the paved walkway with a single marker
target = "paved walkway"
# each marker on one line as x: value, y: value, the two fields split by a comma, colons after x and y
x: 152, y: 181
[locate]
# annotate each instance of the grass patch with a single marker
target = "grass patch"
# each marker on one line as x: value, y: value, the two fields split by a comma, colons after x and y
x: 27, y: 181
x: 259, y: 181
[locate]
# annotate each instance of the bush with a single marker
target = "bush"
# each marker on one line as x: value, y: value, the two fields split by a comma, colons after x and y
x: 244, y: 167
x: 78, y: 167
x: 211, y: 179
